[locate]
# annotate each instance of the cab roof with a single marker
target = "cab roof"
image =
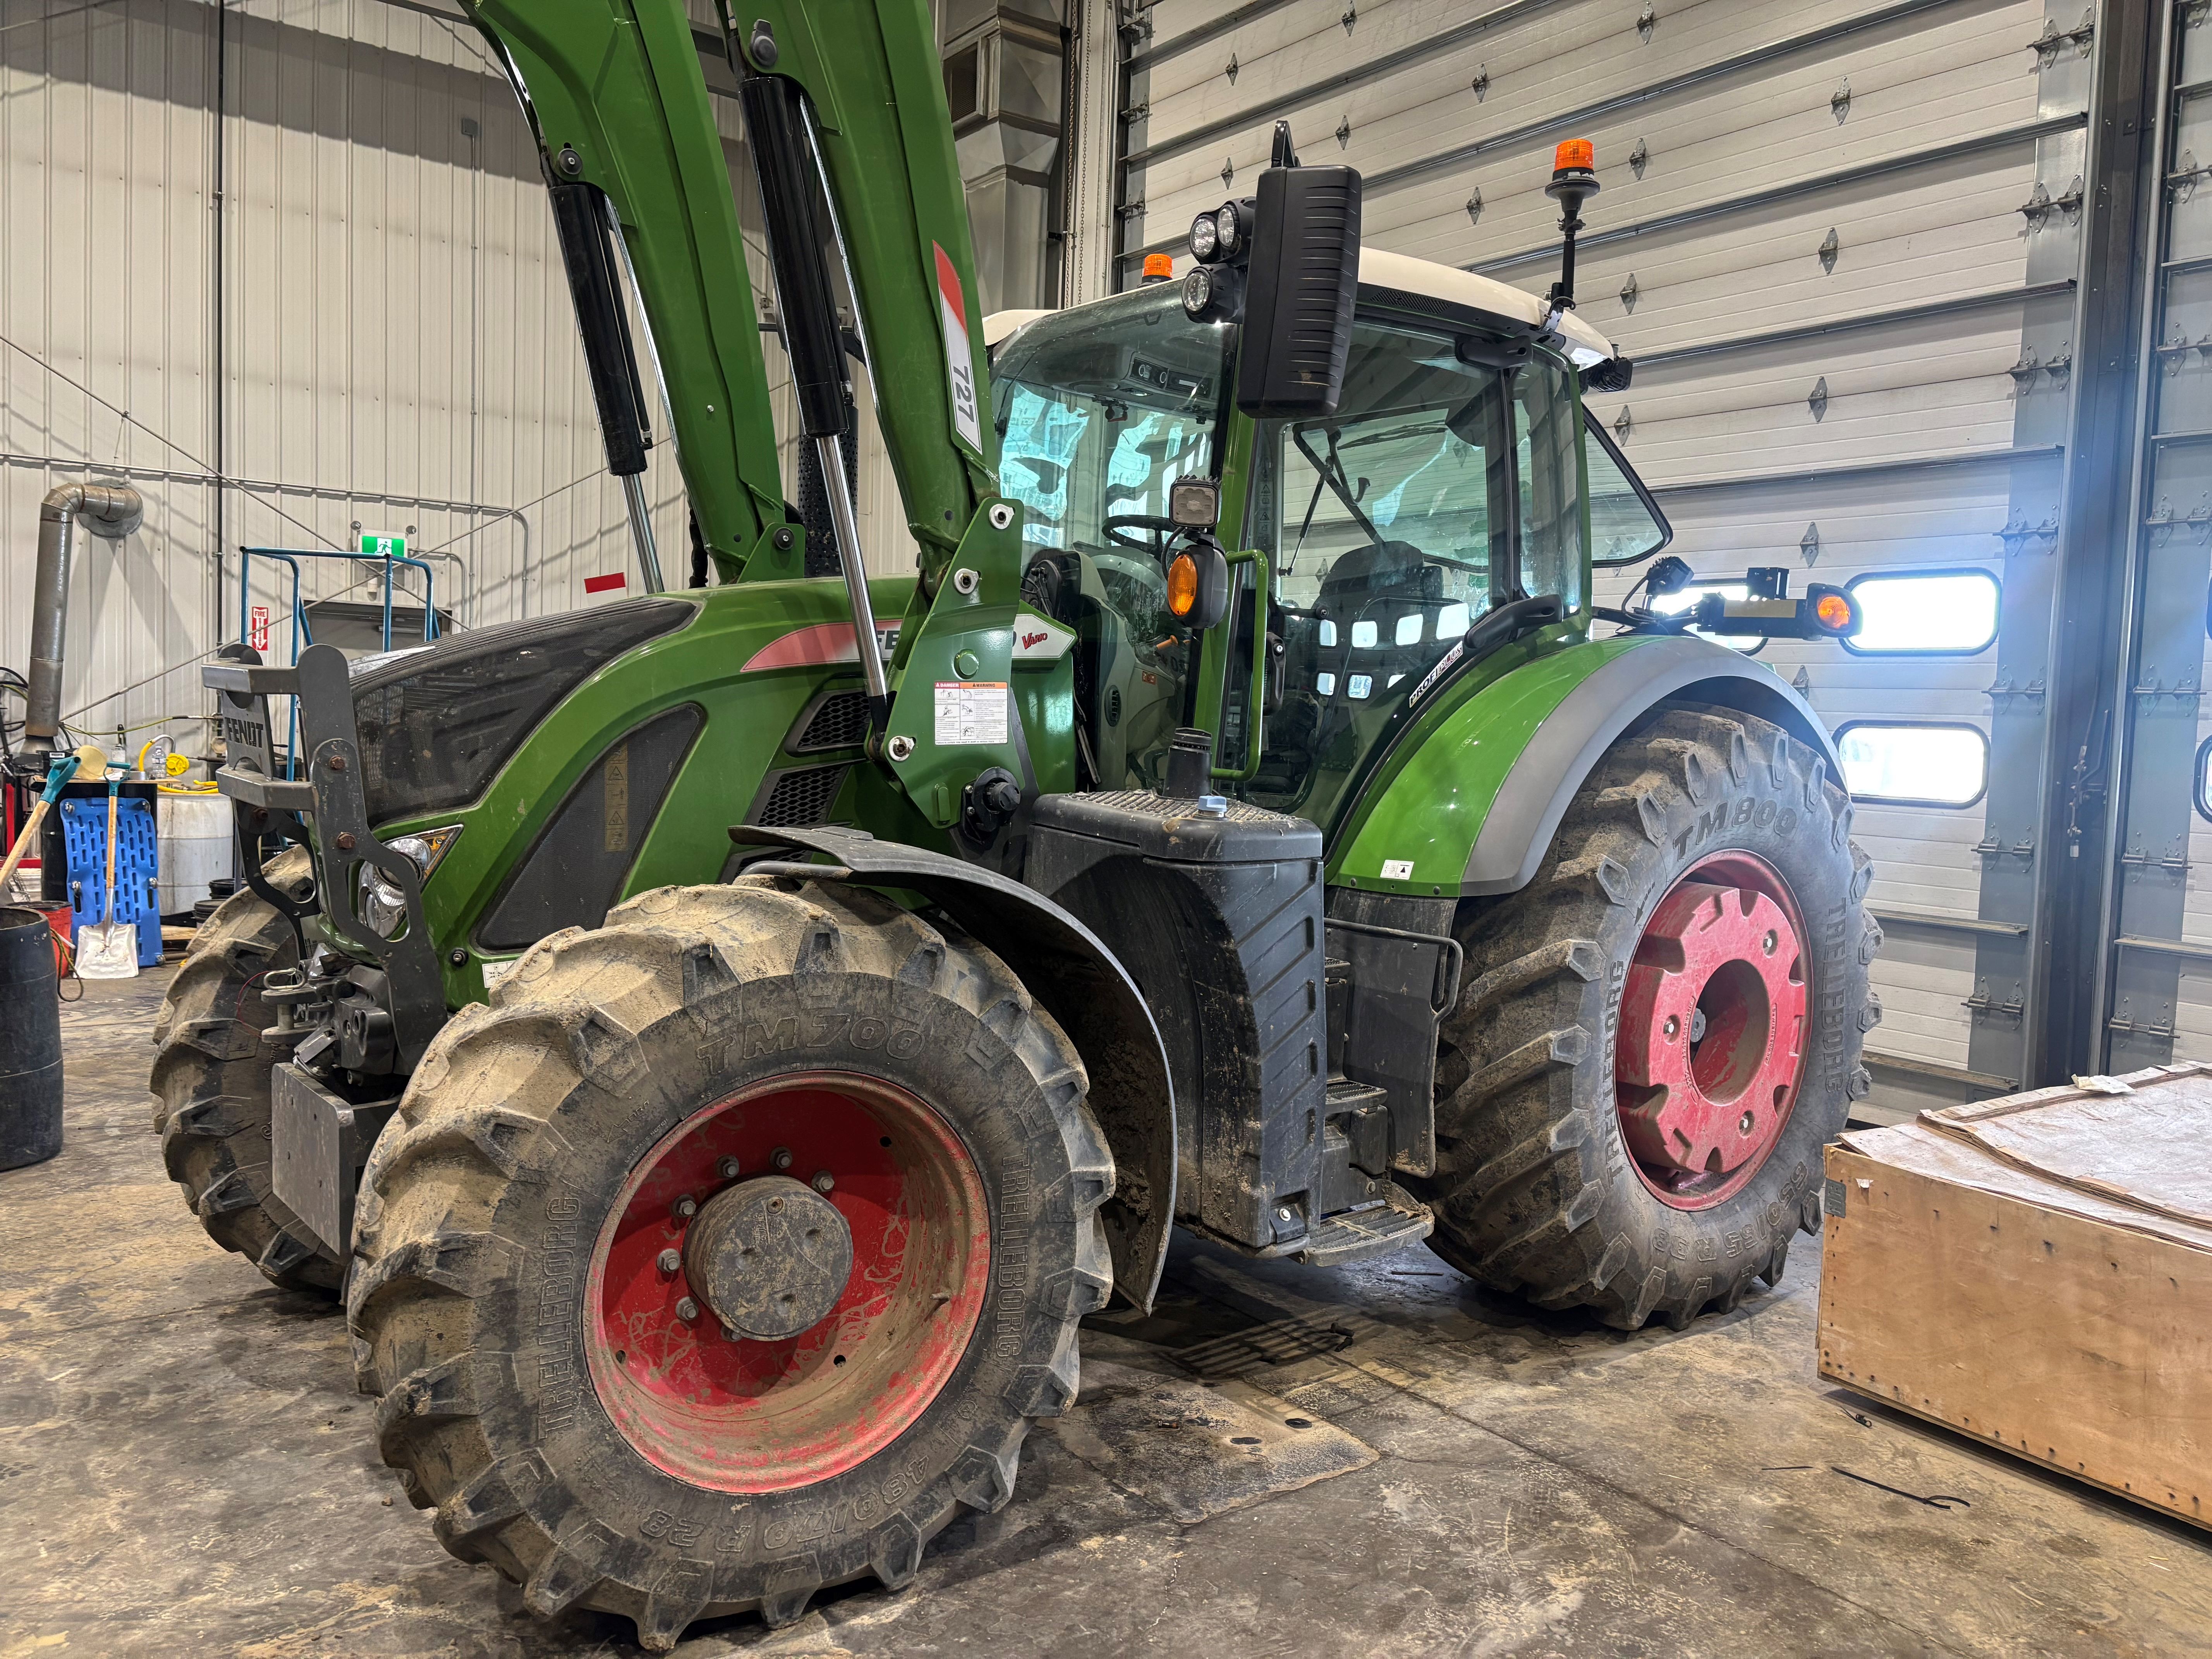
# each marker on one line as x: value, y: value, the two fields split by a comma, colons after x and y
x: 1424, y: 279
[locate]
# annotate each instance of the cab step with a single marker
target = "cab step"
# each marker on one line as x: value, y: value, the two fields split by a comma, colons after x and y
x: 1375, y: 1230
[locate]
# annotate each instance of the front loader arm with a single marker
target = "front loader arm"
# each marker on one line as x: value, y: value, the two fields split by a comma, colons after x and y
x: 870, y: 71
x: 618, y: 103
x: 617, y: 100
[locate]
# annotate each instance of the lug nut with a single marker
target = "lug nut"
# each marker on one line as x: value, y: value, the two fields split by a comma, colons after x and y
x: 1768, y: 944
x: 1671, y: 1029
x: 669, y: 1261
x: 781, y: 1157
x: 1743, y: 1124
x: 686, y: 1208
x: 727, y: 1169
x: 687, y: 1310
x: 823, y: 1181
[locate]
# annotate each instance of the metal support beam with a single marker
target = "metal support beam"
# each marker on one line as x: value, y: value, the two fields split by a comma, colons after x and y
x: 2114, y: 337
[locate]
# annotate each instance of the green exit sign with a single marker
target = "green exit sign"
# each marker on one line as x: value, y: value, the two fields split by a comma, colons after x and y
x: 384, y: 547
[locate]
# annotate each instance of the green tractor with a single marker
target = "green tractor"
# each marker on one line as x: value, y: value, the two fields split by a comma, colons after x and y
x: 723, y: 1043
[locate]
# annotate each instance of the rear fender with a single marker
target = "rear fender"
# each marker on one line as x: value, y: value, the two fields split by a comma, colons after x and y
x: 1079, y: 983
x: 1472, y: 803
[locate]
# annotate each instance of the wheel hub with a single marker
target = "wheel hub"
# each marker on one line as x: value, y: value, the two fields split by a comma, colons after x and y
x: 865, y: 1284
x: 1712, y: 1030
x: 769, y: 1257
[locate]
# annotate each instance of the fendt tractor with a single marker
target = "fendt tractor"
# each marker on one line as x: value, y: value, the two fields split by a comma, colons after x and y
x: 724, y: 1042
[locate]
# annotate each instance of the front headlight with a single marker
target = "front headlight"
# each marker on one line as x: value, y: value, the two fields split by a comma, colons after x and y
x: 1205, y: 243
x: 383, y: 906
x: 1197, y: 291
x: 1228, y: 230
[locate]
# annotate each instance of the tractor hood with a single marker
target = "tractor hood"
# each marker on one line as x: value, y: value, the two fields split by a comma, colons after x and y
x: 437, y: 722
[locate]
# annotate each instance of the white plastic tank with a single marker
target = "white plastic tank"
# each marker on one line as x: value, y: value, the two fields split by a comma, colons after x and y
x: 197, y: 846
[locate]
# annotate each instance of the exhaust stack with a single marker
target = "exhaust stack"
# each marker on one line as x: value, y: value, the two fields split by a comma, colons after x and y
x: 111, y: 511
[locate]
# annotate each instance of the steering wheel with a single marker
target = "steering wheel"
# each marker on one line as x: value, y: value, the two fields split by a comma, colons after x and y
x: 1161, y: 527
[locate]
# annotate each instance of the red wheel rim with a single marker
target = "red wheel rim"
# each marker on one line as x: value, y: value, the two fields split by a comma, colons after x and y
x: 749, y: 1416
x: 1711, y: 1042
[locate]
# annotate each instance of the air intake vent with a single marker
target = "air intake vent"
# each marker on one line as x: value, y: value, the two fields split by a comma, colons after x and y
x: 799, y: 798
x: 839, y: 720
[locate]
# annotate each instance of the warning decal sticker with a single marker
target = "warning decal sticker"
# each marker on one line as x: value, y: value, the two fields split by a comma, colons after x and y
x: 971, y: 712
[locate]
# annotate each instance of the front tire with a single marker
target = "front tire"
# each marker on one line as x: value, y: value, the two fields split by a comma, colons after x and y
x: 211, y: 1084
x: 524, y: 1257
x: 1659, y: 1033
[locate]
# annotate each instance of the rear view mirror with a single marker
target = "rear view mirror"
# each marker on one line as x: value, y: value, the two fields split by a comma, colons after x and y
x: 1297, y: 302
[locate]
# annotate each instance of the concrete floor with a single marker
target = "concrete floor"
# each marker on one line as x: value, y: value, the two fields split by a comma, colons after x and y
x: 184, y: 1469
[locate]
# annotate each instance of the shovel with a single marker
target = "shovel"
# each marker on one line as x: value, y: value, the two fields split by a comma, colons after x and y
x: 109, y: 952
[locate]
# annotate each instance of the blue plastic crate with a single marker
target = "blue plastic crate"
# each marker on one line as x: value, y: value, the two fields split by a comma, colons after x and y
x: 138, y: 868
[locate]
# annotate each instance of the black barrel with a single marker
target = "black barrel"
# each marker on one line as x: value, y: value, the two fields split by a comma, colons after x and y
x: 30, y: 1040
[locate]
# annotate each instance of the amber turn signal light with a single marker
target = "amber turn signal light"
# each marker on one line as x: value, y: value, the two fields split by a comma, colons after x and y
x: 1833, y: 612
x: 1182, y: 585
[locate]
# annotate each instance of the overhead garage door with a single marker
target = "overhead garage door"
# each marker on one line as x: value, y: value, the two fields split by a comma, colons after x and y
x: 2154, y: 996
x: 1841, y: 242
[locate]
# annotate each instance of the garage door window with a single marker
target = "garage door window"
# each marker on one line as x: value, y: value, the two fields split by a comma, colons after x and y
x: 1920, y: 764
x: 1925, y: 613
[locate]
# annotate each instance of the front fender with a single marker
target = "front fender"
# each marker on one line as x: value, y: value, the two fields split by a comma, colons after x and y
x: 1470, y: 804
x: 1076, y: 977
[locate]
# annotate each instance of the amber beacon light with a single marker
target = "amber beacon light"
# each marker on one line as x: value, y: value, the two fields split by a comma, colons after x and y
x: 1574, y: 181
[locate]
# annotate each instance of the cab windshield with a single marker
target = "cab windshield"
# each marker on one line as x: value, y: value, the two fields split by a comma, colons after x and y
x: 1099, y: 411
x: 1444, y: 484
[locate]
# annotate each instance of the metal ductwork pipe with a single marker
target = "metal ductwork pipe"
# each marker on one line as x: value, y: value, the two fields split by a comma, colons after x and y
x: 111, y: 511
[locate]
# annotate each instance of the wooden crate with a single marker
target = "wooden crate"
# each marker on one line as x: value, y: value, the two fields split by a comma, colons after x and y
x: 2036, y: 1272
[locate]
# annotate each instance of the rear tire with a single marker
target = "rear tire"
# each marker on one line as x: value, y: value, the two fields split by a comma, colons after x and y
x: 211, y: 1085
x: 1540, y: 1188
x: 498, y: 1260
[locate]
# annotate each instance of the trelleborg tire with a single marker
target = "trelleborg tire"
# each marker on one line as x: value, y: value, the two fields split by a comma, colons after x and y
x: 559, y: 1374
x: 210, y: 1082
x: 1659, y: 1032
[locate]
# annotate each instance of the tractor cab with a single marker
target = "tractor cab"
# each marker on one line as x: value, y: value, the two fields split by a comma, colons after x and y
x: 1454, y: 480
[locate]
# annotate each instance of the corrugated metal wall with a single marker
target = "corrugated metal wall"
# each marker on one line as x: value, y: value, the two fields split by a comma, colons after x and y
x: 1811, y: 239
x: 395, y: 341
